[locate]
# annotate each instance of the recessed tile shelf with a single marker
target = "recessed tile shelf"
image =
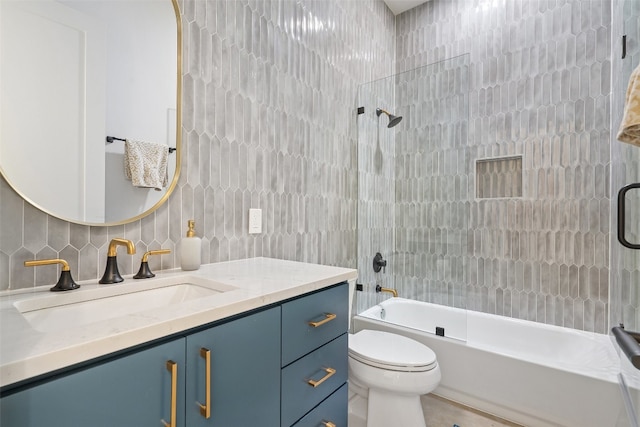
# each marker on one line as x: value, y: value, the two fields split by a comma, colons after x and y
x: 499, y: 177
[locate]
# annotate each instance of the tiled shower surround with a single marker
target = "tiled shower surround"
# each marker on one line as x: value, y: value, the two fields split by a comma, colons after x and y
x: 269, y: 96
x: 268, y: 122
x: 540, y: 88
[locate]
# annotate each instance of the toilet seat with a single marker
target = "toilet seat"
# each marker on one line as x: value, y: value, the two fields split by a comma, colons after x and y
x: 392, y: 352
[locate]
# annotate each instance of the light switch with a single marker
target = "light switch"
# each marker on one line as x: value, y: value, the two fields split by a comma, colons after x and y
x: 255, y: 221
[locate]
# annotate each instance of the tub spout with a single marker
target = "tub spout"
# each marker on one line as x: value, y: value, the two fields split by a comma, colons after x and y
x: 391, y: 291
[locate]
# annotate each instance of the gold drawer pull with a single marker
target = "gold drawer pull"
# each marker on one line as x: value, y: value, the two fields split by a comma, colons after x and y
x: 205, y: 410
x: 173, y: 368
x: 328, y: 424
x: 328, y: 318
x: 330, y: 372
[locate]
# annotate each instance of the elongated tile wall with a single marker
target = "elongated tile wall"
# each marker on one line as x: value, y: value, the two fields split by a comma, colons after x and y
x: 539, y: 88
x: 268, y: 122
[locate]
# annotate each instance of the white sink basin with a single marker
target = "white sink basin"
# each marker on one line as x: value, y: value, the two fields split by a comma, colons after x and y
x: 95, y: 304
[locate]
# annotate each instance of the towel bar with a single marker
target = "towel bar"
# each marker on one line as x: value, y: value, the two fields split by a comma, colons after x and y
x: 110, y: 139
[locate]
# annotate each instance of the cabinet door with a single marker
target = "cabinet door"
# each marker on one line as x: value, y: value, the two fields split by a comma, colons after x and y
x: 133, y: 390
x: 244, y: 372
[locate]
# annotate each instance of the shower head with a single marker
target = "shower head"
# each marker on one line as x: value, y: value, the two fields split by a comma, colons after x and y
x: 393, y: 120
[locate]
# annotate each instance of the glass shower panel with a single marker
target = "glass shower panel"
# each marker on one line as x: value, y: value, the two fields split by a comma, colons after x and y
x: 414, y: 184
x: 432, y: 184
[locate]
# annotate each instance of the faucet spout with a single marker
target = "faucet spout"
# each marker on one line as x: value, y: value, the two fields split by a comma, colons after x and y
x: 111, y: 273
x: 389, y: 290
x: 113, y: 246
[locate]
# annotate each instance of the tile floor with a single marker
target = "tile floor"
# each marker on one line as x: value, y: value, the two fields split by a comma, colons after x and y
x: 441, y: 412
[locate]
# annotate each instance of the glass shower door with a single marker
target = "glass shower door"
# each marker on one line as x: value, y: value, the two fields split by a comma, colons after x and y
x: 413, y: 185
x: 625, y: 170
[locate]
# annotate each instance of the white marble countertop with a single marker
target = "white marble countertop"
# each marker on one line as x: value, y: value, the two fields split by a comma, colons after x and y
x: 26, y: 352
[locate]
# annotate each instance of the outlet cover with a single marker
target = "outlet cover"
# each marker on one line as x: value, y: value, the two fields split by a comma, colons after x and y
x: 255, y: 221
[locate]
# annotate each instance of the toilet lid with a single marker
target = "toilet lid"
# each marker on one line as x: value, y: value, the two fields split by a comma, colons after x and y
x: 391, y: 351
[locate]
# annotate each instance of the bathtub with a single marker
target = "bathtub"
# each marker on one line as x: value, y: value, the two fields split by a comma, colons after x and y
x: 530, y: 373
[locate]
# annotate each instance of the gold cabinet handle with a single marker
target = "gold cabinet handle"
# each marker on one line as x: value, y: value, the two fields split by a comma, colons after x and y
x: 173, y: 368
x: 330, y: 372
x: 328, y: 424
x: 328, y: 317
x: 205, y: 410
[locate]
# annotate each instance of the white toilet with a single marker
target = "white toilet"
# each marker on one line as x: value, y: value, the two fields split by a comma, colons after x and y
x: 387, y: 375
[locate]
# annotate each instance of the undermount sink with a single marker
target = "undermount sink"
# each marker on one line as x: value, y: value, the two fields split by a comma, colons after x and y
x: 85, y: 306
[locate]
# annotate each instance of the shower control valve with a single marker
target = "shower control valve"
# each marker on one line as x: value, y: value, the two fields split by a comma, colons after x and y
x: 379, y: 263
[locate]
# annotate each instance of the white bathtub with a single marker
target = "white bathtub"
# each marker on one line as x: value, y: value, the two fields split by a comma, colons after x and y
x: 530, y: 373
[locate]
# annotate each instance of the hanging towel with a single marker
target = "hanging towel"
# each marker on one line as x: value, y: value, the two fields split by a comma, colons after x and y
x: 145, y: 164
x: 630, y: 127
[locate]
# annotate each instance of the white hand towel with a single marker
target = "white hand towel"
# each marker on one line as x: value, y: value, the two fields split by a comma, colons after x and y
x: 145, y: 164
x: 630, y: 127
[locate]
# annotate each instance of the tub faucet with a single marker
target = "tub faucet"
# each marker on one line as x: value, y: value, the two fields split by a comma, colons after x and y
x: 111, y: 273
x: 391, y: 291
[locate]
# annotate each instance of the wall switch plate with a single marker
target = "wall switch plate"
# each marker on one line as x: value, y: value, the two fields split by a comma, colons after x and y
x: 255, y: 221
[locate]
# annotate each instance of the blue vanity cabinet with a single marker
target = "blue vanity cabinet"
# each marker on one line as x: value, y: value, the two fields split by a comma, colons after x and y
x: 241, y: 360
x: 315, y: 358
x: 131, y: 390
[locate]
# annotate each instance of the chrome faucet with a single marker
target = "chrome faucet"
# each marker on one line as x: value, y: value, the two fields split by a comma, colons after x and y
x: 111, y: 273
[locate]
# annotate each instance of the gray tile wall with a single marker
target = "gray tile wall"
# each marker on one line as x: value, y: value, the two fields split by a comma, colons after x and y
x: 539, y: 87
x: 268, y: 122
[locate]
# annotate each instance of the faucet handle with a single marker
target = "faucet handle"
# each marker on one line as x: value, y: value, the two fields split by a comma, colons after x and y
x: 379, y: 263
x: 65, y: 282
x: 145, y: 271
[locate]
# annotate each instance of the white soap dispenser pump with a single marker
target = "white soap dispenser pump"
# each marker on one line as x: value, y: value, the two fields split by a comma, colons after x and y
x: 190, y: 249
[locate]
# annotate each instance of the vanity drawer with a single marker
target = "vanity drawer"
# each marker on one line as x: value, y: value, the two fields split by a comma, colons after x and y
x: 298, y: 396
x: 332, y: 410
x: 299, y: 336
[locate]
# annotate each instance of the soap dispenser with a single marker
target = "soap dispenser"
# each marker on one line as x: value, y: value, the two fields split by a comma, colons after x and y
x: 190, y: 249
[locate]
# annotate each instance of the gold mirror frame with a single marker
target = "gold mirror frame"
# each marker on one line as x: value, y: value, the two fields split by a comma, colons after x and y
x: 178, y: 152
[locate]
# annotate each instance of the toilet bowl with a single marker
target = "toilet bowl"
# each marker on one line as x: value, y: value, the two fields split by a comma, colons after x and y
x: 387, y: 375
